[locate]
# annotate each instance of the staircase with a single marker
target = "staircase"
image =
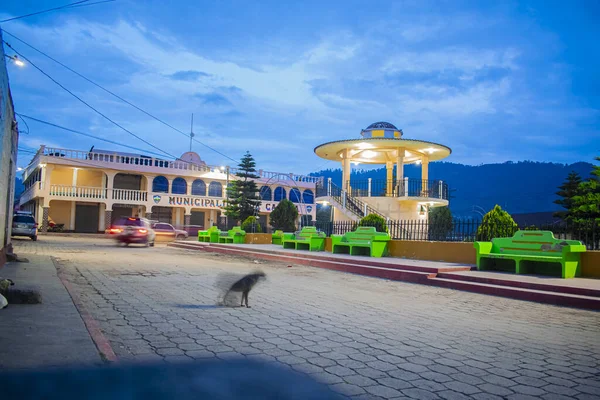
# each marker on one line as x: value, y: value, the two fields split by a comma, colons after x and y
x: 352, y: 207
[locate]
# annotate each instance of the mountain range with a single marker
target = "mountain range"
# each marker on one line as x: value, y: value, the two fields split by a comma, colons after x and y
x: 518, y: 187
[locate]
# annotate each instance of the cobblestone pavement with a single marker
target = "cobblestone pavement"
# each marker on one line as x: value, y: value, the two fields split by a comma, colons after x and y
x: 366, y: 337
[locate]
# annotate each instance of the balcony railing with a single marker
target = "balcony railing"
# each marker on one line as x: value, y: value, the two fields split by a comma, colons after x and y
x: 78, y: 191
x: 129, y: 195
x: 399, y: 188
x: 143, y: 161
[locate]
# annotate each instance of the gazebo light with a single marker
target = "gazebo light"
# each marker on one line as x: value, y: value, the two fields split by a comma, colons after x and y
x: 369, y: 154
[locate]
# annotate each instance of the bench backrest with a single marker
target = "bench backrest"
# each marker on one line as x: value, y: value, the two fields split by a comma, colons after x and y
x: 236, y: 230
x: 365, y: 233
x: 308, y: 232
x: 531, y: 243
x: 278, y: 233
x: 213, y: 228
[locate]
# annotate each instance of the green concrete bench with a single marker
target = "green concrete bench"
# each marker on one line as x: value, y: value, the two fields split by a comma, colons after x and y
x: 211, y: 235
x: 307, y: 239
x: 365, y: 241
x: 532, y: 252
x: 234, y: 235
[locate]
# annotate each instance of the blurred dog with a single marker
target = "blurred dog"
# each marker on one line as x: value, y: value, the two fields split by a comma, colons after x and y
x: 242, y: 285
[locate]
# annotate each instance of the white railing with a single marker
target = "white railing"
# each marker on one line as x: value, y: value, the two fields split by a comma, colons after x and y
x: 116, y: 158
x: 78, y: 191
x: 129, y: 195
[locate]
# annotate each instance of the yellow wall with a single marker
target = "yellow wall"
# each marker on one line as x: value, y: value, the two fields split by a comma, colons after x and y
x: 61, y: 176
x: 258, y: 238
x: 89, y: 178
x: 590, y: 264
x: 60, y: 212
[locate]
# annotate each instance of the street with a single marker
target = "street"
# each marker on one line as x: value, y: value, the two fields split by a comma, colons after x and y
x: 366, y: 337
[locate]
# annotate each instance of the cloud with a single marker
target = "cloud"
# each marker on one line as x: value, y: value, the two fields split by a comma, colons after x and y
x: 188, y: 75
x: 214, y: 99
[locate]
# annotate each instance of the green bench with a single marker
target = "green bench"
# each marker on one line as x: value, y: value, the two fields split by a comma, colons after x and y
x: 364, y: 241
x: 234, y: 235
x: 307, y: 239
x: 211, y: 235
x: 532, y: 252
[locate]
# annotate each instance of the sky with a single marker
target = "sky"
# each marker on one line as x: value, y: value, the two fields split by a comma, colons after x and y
x: 494, y: 81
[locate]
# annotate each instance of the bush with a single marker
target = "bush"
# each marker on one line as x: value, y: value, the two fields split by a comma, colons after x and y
x: 284, y: 216
x: 374, y: 220
x: 496, y: 223
x: 251, y: 225
x: 440, y: 223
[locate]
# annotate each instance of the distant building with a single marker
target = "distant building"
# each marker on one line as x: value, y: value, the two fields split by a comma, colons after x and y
x: 87, y: 190
x: 9, y: 137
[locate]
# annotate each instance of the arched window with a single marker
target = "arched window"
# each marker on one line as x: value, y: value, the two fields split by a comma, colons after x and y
x: 279, y: 194
x: 160, y: 184
x: 215, y: 189
x: 295, y: 195
x: 179, y: 186
x: 308, y: 197
x: 199, y: 188
x: 265, y: 193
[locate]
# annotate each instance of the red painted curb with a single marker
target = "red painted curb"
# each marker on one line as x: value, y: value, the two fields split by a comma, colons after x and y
x: 93, y: 327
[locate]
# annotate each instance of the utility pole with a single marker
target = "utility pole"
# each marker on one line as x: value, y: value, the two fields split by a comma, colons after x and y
x: 192, y: 132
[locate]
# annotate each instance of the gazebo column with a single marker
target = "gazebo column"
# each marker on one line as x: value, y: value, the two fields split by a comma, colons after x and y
x: 389, y: 184
x: 425, y: 175
x: 346, y: 172
x: 400, y: 172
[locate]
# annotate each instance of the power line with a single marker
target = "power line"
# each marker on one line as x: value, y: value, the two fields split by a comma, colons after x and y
x: 71, y: 5
x: 119, y: 97
x: 25, y: 122
x: 23, y: 116
x: 89, y: 105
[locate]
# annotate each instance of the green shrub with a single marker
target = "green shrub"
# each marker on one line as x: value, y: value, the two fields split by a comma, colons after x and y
x: 248, y: 223
x: 284, y: 216
x: 374, y: 220
x: 496, y: 223
x: 440, y: 223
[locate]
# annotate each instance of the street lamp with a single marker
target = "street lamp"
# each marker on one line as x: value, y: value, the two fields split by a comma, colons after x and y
x: 226, y: 170
x: 16, y: 60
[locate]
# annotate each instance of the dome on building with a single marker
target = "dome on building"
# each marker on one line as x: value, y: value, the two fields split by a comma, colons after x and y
x: 382, y: 125
x: 192, y: 157
x: 381, y: 130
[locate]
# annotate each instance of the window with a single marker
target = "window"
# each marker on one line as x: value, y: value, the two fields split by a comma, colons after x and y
x: 308, y: 197
x: 215, y: 189
x: 23, y: 219
x: 179, y: 186
x: 265, y: 193
x: 279, y: 194
x: 160, y: 184
x: 199, y: 188
x: 295, y: 195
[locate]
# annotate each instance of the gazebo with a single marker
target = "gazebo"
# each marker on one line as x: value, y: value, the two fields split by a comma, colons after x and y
x: 395, y: 197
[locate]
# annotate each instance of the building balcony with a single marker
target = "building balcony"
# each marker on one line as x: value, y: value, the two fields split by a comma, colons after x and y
x: 406, y: 189
x: 154, y: 166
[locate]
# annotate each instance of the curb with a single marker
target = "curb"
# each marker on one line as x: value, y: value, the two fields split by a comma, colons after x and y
x: 102, y: 343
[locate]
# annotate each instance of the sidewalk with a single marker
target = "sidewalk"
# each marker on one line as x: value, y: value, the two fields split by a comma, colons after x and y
x: 43, y: 335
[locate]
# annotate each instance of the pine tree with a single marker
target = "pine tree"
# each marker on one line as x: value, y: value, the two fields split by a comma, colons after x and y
x: 585, y: 206
x: 243, y: 200
x: 568, y: 190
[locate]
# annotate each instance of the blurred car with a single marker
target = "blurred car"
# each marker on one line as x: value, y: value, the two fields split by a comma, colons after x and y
x: 24, y: 225
x: 133, y: 230
x: 168, y: 230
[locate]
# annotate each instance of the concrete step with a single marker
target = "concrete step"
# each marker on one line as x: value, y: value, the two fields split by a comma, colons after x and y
x: 540, y: 296
x: 337, y: 265
x: 501, y: 281
x: 320, y: 256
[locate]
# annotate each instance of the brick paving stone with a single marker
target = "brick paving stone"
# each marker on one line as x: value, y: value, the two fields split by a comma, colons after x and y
x: 383, y: 391
x: 528, y: 390
x: 347, y: 389
x: 420, y: 394
x: 454, y: 343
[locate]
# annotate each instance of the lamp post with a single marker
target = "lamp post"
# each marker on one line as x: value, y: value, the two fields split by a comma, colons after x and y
x: 226, y: 171
x: 16, y: 60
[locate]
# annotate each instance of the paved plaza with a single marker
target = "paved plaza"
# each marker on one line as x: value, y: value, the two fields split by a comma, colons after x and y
x: 365, y: 337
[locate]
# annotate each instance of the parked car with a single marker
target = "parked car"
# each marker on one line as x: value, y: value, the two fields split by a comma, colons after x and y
x: 133, y: 230
x: 24, y: 225
x: 164, y: 229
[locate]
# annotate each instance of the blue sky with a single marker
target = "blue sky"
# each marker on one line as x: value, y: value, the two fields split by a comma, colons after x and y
x: 495, y: 81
